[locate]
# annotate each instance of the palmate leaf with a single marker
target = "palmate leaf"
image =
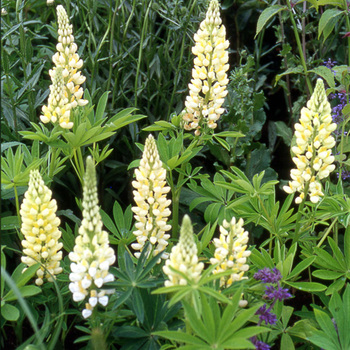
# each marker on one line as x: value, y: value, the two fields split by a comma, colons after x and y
x: 216, y: 328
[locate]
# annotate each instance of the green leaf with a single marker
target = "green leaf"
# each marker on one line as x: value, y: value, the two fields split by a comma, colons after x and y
x: 293, y: 70
x: 9, y: 312
x: 347, y: 247
x: 322, y: 340
x: 229, y: 134
x: 335, y: 287
x: 182, y: 338
x: 301, y: 267
x: 326, y: 17
x: 326, y: 274
x: 337, y: 253
x: 307, y: 286
x: 9, y: 223
x: 325, y: 73
x: 287, y: 342
x: 21, y: 278
x: 326, y: 324
x: 101, y: 106
x: 267, y: 14
x: 26, y: 291
x: 284, y: 131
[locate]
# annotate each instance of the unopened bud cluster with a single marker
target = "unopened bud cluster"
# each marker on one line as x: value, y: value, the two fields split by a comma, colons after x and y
x: 231, y: 251
x: 151, y: 212
x: 92, y: 256
x: 40, y: 229
x: 209, y: 79
x: 65, y: 91
x: 183, y: 258
x: 313, y: 150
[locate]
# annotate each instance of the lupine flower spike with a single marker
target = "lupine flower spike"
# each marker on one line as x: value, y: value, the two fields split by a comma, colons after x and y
x: 183, y: 257
x: 231, y: 251
x: 40, y: 229
x: 65, y: 91
x: 92, y: 255
x: 209, y: 78
x: 151, y: 212
x: 313, y: 150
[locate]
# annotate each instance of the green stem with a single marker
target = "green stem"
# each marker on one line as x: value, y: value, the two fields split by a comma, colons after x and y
x: 111, y: 46
x: 176, y: 191
x: 52, y: 161
x: 18, y: 213
x: 144, y: 26
x: 347, y: 21
x: 300, y: 211
x: 181, y: 55
x: 327, y: 232
x: 301, y: 53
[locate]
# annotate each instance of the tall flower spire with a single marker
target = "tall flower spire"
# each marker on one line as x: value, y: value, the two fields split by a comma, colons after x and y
x: 313, y: 149
x: 65, y: 91
x: 92, y: 255
x: 40, y: 229
x: 231, y: 251
x: 209, y: 78
x: 183, y: 257
x: 151, y: 212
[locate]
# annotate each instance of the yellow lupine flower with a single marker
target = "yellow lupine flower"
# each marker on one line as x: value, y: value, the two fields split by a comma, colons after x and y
x: 231, y: 251
x: 151, y: 212
x: 209, y: 78
x: 67, y: 65
x: 183, y: 257
x: 40, y: 229
x: 313, y: 149
x: 92, y: 256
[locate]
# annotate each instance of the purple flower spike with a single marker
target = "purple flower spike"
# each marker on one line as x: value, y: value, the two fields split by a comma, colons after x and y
x: 268, y: 276
x: 260, y: 345
x: 266, y: 315
x: 280, y: 294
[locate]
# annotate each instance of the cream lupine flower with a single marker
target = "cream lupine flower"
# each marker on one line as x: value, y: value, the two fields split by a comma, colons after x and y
x: 92, y: 256
x: 313, y: 150
x: 40, y: 229
x: 151, y: 212
x: 183, y: 257
x: 231, y: 251
x: 209, y: 79
x: 67, y: 63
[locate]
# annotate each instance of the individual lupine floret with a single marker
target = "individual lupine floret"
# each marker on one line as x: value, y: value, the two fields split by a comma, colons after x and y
x: 231, y: 251
x: 67, y: 60
x: 183, y: 258
x: 40, y: 229
x: 313, y: 149
x: 92, y: 256
x: 151, y: 212
x: 209, y: 79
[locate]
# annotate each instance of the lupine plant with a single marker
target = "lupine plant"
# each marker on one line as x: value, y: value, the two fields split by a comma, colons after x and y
x: 166, y: 184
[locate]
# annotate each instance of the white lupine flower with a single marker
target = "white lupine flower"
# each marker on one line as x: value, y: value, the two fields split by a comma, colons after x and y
x: 231, y: 251
x: 313, y: 155
x: 40, y: 229
x: 183, y: 257
x: 67, y: 63
x: 209, y: 78
x: 151, y: 212
x: 92, y: 256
